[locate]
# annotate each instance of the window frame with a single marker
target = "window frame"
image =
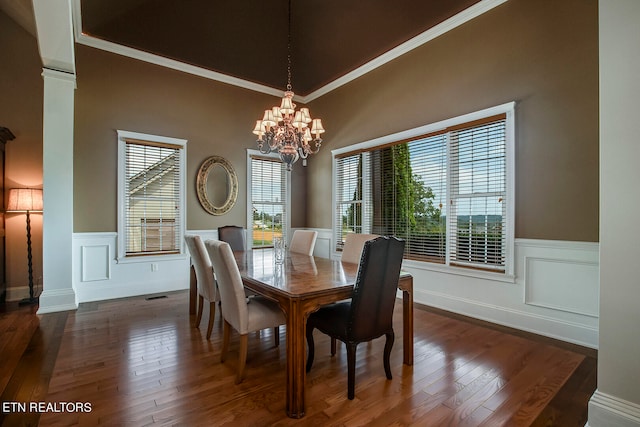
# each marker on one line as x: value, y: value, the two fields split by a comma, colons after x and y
x: 507, y: 109
x: 286, y: 231
x: 121, y: 239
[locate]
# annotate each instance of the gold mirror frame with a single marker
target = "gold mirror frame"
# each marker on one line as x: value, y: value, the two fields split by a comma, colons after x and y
x: 201, y: 185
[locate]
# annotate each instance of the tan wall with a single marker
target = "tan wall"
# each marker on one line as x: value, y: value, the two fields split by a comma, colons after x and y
x: 541, y: 54
x: 115, y: 92
x: 21, y: 89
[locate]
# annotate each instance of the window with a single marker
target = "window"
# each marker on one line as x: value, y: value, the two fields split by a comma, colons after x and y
x: 150, y: 195
x: 268, y: 193
x: 444, y: 188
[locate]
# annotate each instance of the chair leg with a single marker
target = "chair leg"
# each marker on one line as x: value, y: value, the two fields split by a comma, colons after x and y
x: 242, y: 357
x: 276, y: 335
x: 226, y: 333
x: 387, y: 353
x: 311, y: 346
x: 199, y: 313
x: 351, y: 369
x: 212, y: 314
x: 333, y: 346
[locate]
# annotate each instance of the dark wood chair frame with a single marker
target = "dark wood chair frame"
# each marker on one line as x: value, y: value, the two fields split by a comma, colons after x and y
x: 369, y: 313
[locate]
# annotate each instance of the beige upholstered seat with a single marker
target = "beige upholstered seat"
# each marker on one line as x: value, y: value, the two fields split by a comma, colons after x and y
x: 353, y: 245
x: 234, y: 236
x: 245, y: 317
x: 303, y: 241
x: 204, y: 277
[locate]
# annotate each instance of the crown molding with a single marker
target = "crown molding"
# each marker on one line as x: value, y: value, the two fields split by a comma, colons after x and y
x: 436, y: 31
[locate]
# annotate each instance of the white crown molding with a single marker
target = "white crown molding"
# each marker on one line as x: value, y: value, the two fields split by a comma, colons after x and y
x: 173, y: 64
x: 440, y: 29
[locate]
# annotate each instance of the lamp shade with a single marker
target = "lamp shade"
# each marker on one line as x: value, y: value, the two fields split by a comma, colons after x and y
x: 24, y: 199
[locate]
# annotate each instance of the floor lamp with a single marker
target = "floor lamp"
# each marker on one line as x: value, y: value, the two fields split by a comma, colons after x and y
x: 26, y: 200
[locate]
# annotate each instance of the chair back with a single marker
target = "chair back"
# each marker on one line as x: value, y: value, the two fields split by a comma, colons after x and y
x: 303, y: 242
x: 202, y: 266
x: 353, y: 244
x: 234, y: 236
x: 374, y: 293
x: 230, y: 287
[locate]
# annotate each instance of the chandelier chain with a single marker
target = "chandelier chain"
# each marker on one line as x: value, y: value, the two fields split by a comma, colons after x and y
x: 283, y: 129
x: 289, y: 49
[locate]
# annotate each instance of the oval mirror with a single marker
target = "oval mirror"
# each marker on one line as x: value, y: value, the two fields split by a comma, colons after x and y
x: 217, y: 185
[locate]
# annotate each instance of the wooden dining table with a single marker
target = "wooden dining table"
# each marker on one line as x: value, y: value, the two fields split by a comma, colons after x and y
x: 300, y: 285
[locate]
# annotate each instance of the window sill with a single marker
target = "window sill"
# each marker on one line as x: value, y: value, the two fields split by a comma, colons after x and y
x: 150, y: 258
x: 459, y: 271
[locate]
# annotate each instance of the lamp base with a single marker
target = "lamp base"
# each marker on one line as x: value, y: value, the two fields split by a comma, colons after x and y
x: 29, y: 301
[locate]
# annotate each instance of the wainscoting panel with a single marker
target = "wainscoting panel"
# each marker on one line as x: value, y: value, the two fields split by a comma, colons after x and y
x: 95, y: 263
x: 566, y: 285
x: 560, y: 275
x: 554, y: 293
x: 97, y: 275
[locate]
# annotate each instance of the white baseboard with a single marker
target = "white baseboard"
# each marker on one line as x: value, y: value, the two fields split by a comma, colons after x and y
x: 546, y: 325
x: 17, y: 293
x: 609, y: 411
x: 57, y: 300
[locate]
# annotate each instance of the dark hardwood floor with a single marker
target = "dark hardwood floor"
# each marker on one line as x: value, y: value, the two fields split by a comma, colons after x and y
x: 138, y: 361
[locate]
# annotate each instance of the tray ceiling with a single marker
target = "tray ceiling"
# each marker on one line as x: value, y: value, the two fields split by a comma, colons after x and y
x: 248, y: 39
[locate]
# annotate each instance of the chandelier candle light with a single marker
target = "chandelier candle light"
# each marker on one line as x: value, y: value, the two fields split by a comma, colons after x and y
x: 285, y: 130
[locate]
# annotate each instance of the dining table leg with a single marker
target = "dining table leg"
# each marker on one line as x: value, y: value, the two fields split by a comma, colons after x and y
x: 406, y: 285
x: 193, y: 291
x: 296, y: 353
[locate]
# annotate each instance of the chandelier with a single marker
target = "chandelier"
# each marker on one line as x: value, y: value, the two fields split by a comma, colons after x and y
x: 285, y: 130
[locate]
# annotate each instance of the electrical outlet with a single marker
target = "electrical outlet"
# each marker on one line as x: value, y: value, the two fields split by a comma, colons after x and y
x: 154, y: 266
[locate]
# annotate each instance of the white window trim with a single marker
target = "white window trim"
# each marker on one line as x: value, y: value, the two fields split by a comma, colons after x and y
x: 257, y: 153
x: 120, y: 239
x: 509, y: 110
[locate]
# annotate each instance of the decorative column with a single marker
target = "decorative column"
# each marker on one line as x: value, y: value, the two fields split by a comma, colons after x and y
x: 54, y: 24
x: 57, y: 222
x: 616, y: 401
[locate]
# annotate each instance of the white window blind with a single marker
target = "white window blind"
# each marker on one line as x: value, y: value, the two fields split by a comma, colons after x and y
x: 350, y: 197
x: 478, y: 195
x: 444, y: 192
x: 153, y: 217
x: 269, y: 210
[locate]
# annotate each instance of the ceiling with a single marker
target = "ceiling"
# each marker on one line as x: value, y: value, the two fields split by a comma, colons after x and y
x: 247, y: 39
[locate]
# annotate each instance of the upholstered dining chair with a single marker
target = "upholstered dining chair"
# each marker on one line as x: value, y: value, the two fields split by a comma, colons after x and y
x: 353, y: 245
x: 369, y: 313
x: 303, y: 242
x: 234, y: 236
x: 206, y: 283
x: 243, y: 315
